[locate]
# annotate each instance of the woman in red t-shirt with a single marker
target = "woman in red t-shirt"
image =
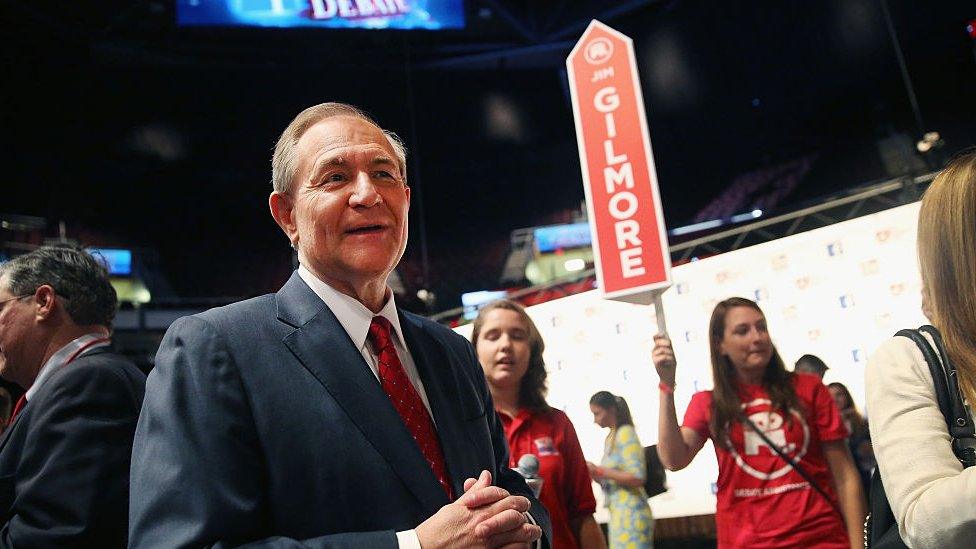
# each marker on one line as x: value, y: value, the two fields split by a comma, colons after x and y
x: 763, y: 500
x: 510, y: 351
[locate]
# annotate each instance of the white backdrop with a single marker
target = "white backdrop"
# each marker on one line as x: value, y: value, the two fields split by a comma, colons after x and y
x: 836, y: 292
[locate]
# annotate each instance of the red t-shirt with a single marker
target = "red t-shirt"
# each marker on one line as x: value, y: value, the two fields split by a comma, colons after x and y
x: 567, y: 492
x: 762, y: 501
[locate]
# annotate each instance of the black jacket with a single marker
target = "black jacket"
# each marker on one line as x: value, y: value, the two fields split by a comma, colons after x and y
x: 64, y: 463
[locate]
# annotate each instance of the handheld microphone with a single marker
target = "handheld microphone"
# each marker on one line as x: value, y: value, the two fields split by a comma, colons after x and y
x: 528, y: 467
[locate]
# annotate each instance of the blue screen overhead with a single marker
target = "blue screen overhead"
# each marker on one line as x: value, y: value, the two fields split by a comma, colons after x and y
x: 118, y: 262
x: 472, y: 301
x: 334, y: 14
x: 558, y: 237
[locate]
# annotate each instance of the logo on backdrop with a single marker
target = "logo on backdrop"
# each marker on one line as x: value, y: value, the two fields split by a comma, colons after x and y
x: 780, y: 262
x: 883, y: 320
x: 790, y: 313
x: 755, y: 451
x: 869, y: 267
x: 722, y: 277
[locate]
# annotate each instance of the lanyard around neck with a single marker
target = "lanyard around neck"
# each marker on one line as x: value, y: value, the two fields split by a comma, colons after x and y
x: 84, y: 348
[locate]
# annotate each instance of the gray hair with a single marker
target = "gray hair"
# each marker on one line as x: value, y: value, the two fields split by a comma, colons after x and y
x: 79, y: 279
x: 284, y: 163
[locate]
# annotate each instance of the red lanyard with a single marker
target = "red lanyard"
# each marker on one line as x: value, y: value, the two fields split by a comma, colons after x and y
x: 23, y: 398
x: 84, y: 348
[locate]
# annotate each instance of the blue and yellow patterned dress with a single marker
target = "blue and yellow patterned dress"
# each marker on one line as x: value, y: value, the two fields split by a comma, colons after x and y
x: 631, y: 524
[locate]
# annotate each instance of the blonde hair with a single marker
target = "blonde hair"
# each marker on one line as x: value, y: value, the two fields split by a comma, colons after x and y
x: 284, y: 162
x: 947, y: 260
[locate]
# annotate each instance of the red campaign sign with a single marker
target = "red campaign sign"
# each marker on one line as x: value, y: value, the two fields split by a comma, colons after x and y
x: 630, y: 243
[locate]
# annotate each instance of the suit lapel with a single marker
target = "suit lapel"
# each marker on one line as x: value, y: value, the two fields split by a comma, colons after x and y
x: 324, y: 348
x: 10, y: 429
x: 439, y: 383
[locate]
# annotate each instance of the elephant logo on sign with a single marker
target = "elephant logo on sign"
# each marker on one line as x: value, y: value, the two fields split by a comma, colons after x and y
x: 598, y: 51
x: 771, y: 424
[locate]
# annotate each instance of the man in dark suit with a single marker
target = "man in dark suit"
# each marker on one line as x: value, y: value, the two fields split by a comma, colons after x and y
x: 323, y: 416
x: 64, y: 459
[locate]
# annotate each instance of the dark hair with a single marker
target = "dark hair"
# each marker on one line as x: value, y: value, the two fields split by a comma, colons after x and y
x: 610, y: 401
x: 810, y: 362
x: 726, y: 405
x: 858, y: 423
x: 844, y: 391
x: 78, y: 279
x: 532, y: 388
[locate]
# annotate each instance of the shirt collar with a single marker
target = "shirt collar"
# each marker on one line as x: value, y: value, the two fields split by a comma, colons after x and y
x: 354, y: 317
x: 58, y: 358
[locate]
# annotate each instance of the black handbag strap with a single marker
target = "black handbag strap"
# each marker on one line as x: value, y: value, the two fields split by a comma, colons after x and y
x: 947, y: 393
x: 958, y: 423
x: 796, y: 466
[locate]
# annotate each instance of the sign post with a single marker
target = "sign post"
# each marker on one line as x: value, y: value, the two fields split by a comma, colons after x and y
x: 630, y: 244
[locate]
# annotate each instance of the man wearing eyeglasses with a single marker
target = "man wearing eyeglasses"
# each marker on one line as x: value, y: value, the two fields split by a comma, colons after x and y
x: 64, y: 460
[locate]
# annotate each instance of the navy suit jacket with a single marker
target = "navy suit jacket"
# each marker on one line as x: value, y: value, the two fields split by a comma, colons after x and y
x: 263, y: 425
x: 64, y: 462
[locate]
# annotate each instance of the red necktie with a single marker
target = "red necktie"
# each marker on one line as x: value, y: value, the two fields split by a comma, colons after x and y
x: 18, y: 407
x: 405, y: 398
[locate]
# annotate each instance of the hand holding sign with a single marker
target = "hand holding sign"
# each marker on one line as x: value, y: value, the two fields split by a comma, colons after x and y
x: 663, y: 358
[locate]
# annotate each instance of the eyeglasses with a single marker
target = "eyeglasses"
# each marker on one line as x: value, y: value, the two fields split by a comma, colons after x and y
x: 3, y: 304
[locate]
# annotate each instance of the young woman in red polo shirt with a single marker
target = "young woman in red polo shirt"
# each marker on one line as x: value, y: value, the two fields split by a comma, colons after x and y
x: 510, y: 351
x: 764, y: 501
